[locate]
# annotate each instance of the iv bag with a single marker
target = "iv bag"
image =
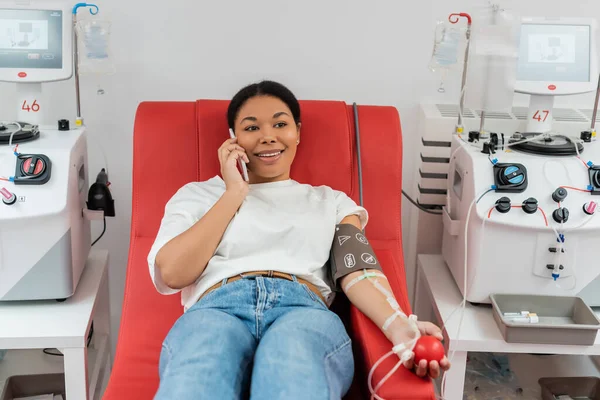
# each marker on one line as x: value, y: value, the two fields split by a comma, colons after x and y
x: 93, y: 41
x: 447, y: 41
x: 445, y: 46
x: 492, y: 68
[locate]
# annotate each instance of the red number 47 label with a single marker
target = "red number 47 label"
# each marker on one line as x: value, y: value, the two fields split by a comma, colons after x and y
x: 35, y: 107
x: 538, y: 115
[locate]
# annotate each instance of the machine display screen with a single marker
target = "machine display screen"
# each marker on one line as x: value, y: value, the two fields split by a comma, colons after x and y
x: 558, y: 53
x: 31, y: 39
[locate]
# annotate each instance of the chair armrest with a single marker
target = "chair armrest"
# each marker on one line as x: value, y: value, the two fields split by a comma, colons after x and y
x: 372, y: 344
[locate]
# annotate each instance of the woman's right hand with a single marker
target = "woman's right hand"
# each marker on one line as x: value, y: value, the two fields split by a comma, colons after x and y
x: 229, y: 153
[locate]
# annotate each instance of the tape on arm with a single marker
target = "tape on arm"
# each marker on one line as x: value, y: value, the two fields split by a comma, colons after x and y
x: 350, y: 252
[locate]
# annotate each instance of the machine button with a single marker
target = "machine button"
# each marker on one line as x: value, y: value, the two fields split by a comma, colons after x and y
x: 561, y: 215
x: 8, y: 198
x: 590, y: 207
x: 503, y: 205
x: 530, y: 205
x: 586, y: 136
x: 473, y: 136
x: 559, y: 195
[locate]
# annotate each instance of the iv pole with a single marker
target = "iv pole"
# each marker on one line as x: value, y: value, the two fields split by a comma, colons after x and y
x: 93, y: 11
x: 453, y: 18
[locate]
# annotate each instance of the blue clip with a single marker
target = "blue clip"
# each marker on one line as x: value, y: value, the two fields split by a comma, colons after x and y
x: 590, y: 164
x: 562, y: 238
x: 11, y: 179
x: 93, y: 8
x: 494, y: 161
x: 555, y: 276
x: 590, y: 187
x: 15, y: 153
x: 494, y: 187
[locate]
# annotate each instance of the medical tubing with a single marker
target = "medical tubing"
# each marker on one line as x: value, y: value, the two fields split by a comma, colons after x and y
x: 19, y: 128
x: 357, y: 130
x: 595, y: 111
x: 463, y: 303
x: 374, y: 394
x: 584, y: 223
x: 370, y: 377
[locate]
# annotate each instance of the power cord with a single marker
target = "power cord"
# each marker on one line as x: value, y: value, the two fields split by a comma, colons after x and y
x: 57, y: 353
x: 420, y: 207
x: 102, y: 234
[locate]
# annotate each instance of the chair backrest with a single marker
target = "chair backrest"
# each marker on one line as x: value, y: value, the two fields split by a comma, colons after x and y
x: 176, y: 142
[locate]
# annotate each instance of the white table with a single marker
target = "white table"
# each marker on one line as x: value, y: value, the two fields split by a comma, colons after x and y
x: 479, y: 332
x: 29, y: 327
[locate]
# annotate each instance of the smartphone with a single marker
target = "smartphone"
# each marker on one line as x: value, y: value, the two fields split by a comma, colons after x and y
x: 241, y: 162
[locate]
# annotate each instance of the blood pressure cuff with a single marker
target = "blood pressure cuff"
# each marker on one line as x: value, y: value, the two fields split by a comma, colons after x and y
x: 350, y: 252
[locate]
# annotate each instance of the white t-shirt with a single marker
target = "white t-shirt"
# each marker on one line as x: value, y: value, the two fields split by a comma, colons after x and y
x: 282, y: 226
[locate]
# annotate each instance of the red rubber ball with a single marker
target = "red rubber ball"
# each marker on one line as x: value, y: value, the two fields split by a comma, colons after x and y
x: 428, y: 348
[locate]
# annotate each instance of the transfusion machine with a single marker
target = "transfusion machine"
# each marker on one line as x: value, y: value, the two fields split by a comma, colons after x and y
x: 45, y: 237
x: 520, y: 215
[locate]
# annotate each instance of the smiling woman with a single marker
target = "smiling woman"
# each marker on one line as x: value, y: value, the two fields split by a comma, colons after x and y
x: 266, y: 120
x: 251, y: 262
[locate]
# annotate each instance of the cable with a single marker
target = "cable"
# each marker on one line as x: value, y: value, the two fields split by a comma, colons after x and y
x: 420, y: 207
x: 574, y: 188
x: 102, y: 234
x: 4, y: 123
x: 59, y: 354
x: 51, y: 353
x: 357, y: 130
x: 486, y: 192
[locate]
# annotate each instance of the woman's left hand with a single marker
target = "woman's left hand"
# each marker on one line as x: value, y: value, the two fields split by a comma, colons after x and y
x: 433, y: 369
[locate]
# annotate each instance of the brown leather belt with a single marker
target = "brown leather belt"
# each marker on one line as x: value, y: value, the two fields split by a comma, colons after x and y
x: 268, y: 274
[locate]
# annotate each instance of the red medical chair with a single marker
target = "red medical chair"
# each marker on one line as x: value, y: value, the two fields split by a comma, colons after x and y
x: 176, y: 142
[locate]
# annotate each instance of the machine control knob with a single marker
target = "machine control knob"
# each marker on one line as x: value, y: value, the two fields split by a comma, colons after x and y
x: 8, y: 198
x: 559, y: 195
x: 595, y: 177
x: 512, y: 175
x: 530, y: 205
x: 586, y: 136
x: 473, y: 136
x: 33, y: 166
x: 561, y: 215
x: 590, y: 207
x: 503, y: 205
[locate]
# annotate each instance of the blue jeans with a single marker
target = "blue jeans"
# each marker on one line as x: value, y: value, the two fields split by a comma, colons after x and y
x: 262, y: 338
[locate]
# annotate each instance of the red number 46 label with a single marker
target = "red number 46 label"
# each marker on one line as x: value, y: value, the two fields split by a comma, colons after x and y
x: 35, y: 107
x: 538, y: 115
